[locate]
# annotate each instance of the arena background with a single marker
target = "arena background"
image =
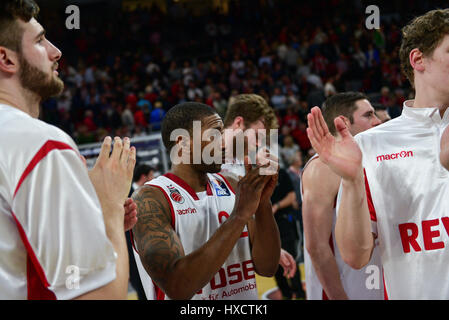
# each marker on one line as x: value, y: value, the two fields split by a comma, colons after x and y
x: 131, y: 60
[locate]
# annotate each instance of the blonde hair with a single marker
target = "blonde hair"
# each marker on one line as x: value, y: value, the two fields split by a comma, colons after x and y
x: 251, y: 107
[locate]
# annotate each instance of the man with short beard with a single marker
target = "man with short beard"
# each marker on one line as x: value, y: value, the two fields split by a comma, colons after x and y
x: 202, y: 235
x: 61, y: 228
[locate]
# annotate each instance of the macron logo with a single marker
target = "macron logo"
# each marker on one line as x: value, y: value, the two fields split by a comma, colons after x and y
x: 392, y: 156
x: 186, y: 211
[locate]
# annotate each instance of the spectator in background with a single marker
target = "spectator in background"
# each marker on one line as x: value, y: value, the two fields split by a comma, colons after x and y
x: 156, y: 116
x: 284, y: 200
x: 381, y: 112
x: 142, y: 174
x: 288, y: 149
x: 279, y: 100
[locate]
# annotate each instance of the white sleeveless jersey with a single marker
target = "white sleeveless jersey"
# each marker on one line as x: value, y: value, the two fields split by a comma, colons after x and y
x: 195, y: 218
x: 409, y: 193
x: 53, y: 242
x: 363, y: 284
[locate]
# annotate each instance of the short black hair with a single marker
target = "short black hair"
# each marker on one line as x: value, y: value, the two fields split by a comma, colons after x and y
x: 377, y: 106
x: 181, y: 116
x: 341, y: 104
x: 140, y: 170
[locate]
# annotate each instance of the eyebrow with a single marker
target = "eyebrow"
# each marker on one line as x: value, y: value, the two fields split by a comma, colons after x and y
x: 42, y: 33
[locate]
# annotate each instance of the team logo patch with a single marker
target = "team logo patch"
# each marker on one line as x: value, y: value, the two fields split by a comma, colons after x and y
x: 220, y: 188
x: 175, y: 195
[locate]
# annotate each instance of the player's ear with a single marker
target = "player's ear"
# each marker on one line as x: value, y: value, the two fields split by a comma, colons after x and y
x: 9, y: 61
x: 416, y: 59
x: 239, y: 123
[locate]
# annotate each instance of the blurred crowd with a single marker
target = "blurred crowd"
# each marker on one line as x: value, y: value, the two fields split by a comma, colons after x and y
x: 124, y: 70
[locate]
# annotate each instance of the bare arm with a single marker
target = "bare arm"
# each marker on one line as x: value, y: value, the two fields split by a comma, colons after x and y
x: 353, y: 228
x: 320, y: 186
x: 264, y: 233
x: 287, y: 201
x: 344, y: 158
x: 111, y: 177
x: 262, y: 228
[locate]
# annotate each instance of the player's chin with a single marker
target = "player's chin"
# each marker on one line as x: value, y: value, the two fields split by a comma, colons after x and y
x: 214, y: 168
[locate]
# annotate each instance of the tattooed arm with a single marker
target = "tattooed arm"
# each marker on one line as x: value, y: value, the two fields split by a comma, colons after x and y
x: 180, y: 276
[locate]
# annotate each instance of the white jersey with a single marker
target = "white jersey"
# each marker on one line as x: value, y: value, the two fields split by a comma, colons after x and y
x: 195, y: 218
x: 53, y: 242
x: 408, y: 191
x: 363, y: 284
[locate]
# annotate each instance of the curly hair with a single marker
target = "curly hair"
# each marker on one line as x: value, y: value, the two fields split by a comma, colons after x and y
x: 424, y: 33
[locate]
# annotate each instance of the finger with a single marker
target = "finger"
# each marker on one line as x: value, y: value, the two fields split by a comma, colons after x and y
x: 322, y: 122
x: 84, y: 160
x: 125, y: 152
x: 132, y: 160
x: 342, y: 128
x: 247, y: 165
x: 313, y: 140
x: 128, y: 201
x: 312, y: 126
x: 117, y: 149
x: 318, y: 119
x: 105, y: 150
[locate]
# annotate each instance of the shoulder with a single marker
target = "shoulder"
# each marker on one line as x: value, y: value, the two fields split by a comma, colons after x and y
x: 21, y: 130
x: 231, y: 178
x: 385, y: 129
x: 151, y: 200
x: 318, y: 175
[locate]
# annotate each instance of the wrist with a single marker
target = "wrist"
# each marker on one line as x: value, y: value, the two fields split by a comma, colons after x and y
x: 357, y: 179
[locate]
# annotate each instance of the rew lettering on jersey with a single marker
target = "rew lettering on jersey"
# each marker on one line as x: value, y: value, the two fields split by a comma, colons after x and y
x: 392, y: 156
x: 430, y: 229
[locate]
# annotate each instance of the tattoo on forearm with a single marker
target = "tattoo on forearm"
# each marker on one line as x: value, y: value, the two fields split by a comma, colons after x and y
x: 159, y: 246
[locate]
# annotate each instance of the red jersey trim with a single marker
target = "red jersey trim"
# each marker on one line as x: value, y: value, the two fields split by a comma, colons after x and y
x: 227, y: 183
x: 169, y: 202
x: 37, y: 284
x: 183, y: 184
x: 371, y: 208
x: 160, y: 295
x: 43, y: 151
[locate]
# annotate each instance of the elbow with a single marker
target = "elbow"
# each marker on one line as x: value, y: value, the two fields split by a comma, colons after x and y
x: 178, y: 292
x: 355, y: 261
x: 268, y: 272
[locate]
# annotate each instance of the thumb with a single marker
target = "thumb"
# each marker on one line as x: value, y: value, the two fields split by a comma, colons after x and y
x: 342, y: 128
x: 247, y: 164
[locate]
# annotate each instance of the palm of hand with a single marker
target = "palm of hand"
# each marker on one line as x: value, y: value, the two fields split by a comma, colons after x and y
x: 341, y: 154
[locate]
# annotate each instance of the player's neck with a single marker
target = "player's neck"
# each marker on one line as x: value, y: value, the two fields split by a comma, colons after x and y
x: 21, y: 99
x: 195, y: 179
x: 431, y: 98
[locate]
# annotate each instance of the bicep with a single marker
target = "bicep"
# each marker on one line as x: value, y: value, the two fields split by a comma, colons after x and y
x: 158, y: 245
x: 318, y: 206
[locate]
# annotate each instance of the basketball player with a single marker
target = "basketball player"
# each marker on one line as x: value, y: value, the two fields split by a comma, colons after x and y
x: 327, y: 276
x: 196, y: 238
x: 392, y: 173
x: 251, y: 111
x: 61, y: 229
